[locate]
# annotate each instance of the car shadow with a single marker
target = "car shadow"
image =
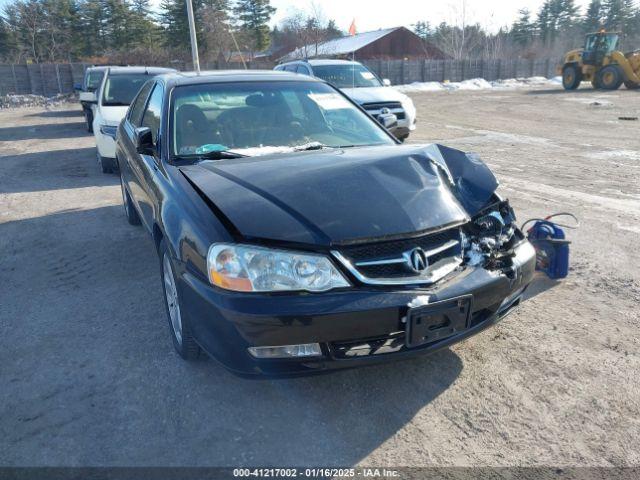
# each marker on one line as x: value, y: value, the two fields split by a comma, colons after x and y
x: 58, y: 113
x: 53, y: 170
x: 541, y: 283
x: 579, y: 91
x: 44, y: 131
x: 88, y: 362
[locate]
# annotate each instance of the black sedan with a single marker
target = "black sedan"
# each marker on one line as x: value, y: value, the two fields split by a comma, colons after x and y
x: 295, y: 234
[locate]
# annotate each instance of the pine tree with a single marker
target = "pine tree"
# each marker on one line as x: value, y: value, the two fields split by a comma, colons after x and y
x: 141, y: 24
x: 594, y: 18
x: 523, y: 29
x: 556, y: 16
x: 176, y: 26
x: 5, y: 46
x: 618, y: 15
x: 422, y: 29
x: 253, y: 17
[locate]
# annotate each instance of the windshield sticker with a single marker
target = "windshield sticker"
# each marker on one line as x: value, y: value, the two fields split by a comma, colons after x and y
x: 367, y: 75
x: 329, y: 101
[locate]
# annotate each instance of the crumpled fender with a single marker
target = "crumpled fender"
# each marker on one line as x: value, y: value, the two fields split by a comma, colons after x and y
x: 472, y: 181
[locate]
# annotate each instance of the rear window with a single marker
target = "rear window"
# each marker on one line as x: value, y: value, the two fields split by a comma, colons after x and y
x: 347, y: 76
x: 120, y: 89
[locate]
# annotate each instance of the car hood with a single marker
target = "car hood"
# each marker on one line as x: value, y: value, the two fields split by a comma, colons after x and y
x: 340, y: 196
x: 112, y: 115
x: 374, y: 94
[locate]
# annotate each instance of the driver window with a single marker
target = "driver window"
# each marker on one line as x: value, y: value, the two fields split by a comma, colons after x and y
x: 151, y: 117
x: 135, y: 113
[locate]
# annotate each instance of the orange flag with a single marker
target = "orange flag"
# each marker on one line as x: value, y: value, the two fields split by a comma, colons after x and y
x: 352, y: 28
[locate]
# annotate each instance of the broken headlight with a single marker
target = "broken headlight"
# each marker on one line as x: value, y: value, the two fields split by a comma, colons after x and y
x: 489, y: 236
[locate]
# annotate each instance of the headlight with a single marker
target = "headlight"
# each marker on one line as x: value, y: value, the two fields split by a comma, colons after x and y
x: 109, y: 130
x: 245, y: 268
x: 408, y: 107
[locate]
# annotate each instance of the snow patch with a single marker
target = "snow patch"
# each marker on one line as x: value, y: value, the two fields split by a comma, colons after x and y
x: 19, y: 101
x: 479, y: 84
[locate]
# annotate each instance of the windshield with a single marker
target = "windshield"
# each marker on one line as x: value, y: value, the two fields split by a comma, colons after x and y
x: 93, y: 80
x: 119, y: 90
x: 264, y: 117
x: 602, y: 42
x: 347, y: 76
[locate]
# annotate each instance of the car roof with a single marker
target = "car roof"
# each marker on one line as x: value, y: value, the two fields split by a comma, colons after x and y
x: 324, y: 61
x: 147, y: 70
x: 97, y: 69
x: 226, y: 76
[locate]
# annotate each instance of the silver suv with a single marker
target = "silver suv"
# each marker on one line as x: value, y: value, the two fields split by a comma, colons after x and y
x: 363, y: 86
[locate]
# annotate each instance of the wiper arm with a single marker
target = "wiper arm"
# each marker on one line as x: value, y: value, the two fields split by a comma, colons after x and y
x: 220, y: 155
x: 310, y: 146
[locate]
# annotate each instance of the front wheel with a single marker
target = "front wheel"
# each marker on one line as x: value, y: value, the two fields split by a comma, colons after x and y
x: 105, y: 164
x: 183, y: 340
x: 571, y: 77
x: 610, y: 77
x: 129, y: 210
x: 88, y: 116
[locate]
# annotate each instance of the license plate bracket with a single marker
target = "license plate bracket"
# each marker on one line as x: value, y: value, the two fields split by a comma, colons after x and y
x: 438, y: 320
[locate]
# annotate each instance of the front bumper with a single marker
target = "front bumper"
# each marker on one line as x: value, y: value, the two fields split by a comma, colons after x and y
x: 105, y: 144
x: 359, y: 326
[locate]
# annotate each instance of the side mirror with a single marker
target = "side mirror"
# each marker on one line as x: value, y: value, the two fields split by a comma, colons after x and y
x: 386, y: 82
x: 388, y: 120
x: 144, y: 140
x: 88, y: 97
x: 77, y: 86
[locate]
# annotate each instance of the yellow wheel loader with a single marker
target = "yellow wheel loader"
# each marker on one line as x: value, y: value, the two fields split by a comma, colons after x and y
x: 600, y: 63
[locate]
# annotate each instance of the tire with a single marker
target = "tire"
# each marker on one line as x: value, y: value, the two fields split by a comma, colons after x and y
x: 631, y: 85
x: 129, y: 209
x: 571, y: 77
x: 105, y: 164
x: 88, y: 116
x: 610, y: 77
x: 183, y: 340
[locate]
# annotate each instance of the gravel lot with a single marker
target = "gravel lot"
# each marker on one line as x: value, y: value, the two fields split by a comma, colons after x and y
x: 88, y: 375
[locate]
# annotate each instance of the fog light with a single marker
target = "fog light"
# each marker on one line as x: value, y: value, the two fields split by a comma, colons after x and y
x: 287, y: 351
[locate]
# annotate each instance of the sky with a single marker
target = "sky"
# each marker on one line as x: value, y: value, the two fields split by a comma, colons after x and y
x: 375, y: 14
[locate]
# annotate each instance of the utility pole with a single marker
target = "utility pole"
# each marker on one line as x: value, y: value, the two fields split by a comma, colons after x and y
x: 194, y: 40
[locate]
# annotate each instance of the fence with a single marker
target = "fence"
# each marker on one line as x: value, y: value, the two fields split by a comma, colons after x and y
x: 49, y: 79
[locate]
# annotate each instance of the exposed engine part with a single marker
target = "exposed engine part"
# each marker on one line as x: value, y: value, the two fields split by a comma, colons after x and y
x: 489, y: 237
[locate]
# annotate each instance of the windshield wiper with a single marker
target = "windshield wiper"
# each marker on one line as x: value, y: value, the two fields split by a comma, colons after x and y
x: 219, y: 155
x: 115, y: 104
x: 310, y: 146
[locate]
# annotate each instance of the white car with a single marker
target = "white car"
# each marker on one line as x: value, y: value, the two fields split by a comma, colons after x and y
x: 363, y: 86
x: 119, y: 87
x: 91, y: 82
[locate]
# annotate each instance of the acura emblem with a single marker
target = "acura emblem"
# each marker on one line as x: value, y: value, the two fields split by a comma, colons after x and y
x: 417, y: 259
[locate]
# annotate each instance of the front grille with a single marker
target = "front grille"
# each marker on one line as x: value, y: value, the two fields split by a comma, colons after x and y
x: 374, y: 109
x: 386, y: 260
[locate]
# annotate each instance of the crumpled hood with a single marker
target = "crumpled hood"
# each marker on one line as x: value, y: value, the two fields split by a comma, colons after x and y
x: 113, y: 115
x: 338, y: 196
x: 374, y: 94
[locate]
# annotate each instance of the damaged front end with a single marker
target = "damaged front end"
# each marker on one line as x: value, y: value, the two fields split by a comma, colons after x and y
x: 488, y: 240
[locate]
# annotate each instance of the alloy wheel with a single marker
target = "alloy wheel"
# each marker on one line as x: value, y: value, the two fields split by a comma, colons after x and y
x: 171, y: 294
